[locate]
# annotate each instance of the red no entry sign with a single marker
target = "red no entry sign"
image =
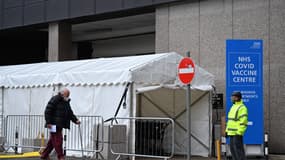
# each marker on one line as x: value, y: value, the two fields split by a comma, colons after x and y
x: 186, y: 70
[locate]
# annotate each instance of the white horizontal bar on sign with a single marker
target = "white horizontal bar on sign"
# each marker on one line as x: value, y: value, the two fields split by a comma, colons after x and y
x: 186, y: 70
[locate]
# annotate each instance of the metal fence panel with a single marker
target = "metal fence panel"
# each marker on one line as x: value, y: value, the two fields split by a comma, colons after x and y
x: 91, y: 133
x: 145, y: 137
x: 25, y: 132
x: 2, y: 132
x: 2, y: 125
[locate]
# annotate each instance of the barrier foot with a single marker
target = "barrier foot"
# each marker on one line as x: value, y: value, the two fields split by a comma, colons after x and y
x: 118, y: 157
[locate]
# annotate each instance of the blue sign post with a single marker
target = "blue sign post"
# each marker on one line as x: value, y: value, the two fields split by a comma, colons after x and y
x: 244, y: 73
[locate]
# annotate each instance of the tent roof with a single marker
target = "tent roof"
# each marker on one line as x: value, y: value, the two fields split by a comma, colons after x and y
x: 145, y: 69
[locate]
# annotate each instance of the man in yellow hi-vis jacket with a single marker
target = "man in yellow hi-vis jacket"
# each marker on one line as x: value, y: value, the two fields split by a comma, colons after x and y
x: 236, y: 126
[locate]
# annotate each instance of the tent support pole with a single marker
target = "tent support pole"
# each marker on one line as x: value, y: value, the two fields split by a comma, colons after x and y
x: 2, y: 114
x: 139, y: 104
x: 2, y: 105
x: 132, y: 114
x: 210, y: 123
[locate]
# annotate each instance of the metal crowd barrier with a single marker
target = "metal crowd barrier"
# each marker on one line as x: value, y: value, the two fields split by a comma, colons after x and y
x: 2, y: 125
x: 88, y: 137
x: 2, y: 132
x: 142, y: 137
x: 28, y: 133
x: 24, y: 132
x: 136, y: 136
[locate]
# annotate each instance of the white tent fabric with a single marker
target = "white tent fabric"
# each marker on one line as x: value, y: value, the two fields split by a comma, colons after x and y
x: 96, y: 84
x: 147, y: 69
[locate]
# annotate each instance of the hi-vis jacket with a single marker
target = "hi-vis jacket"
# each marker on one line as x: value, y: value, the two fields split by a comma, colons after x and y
x: 237, y: 119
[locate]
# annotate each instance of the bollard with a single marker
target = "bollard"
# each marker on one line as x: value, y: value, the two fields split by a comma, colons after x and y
x: 42, y: 140
x: 16, y: 140
x: 42, y: 143
x: 223, y: 146
x: 218, y: 147
x: 266, y: 145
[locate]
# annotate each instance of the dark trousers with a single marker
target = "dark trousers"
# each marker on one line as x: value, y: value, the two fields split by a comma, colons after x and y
x: 55, y: 142
x: 237, y: 149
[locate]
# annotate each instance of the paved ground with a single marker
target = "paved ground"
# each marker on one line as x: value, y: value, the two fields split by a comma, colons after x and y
x: 272, y: 157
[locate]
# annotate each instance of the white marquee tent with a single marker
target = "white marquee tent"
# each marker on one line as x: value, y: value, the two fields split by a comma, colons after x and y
x: 97, y: 85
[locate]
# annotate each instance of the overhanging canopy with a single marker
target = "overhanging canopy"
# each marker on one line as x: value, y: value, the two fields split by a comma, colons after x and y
x: 155, y: 69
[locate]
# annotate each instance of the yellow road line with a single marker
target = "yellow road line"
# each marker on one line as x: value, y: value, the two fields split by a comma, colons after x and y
x: 24, y: 155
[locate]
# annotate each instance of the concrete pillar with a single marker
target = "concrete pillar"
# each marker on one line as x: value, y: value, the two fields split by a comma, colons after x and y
x: 162, y: 29
x: 276, y: 77
x: 60, y: 46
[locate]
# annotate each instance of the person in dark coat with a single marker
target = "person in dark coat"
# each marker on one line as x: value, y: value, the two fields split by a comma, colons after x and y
x: 58, y: 114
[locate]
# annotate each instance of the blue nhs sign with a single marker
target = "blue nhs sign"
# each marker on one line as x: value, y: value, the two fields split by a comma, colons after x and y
x: 244, y: 73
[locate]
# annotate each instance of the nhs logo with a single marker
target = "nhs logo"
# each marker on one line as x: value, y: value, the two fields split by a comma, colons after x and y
x: 256, y: 45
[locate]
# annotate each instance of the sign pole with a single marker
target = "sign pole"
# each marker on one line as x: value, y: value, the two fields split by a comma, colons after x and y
x: 186, y: 72
x: 188, y: 108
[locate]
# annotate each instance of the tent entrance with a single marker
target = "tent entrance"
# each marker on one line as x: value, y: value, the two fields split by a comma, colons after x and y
x: 170, y: 103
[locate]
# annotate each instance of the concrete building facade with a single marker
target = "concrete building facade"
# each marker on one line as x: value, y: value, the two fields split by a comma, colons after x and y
x: 202, y: 27
x: 73, y: 29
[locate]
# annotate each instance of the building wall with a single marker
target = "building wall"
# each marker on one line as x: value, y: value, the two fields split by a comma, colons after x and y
x: 16, y: 13
x: 202, y: 26
x: 131, y: 45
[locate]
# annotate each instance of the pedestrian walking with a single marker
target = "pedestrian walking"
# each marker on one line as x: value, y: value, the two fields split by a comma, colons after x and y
x: 236, y: 126
x: 58, y: 114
